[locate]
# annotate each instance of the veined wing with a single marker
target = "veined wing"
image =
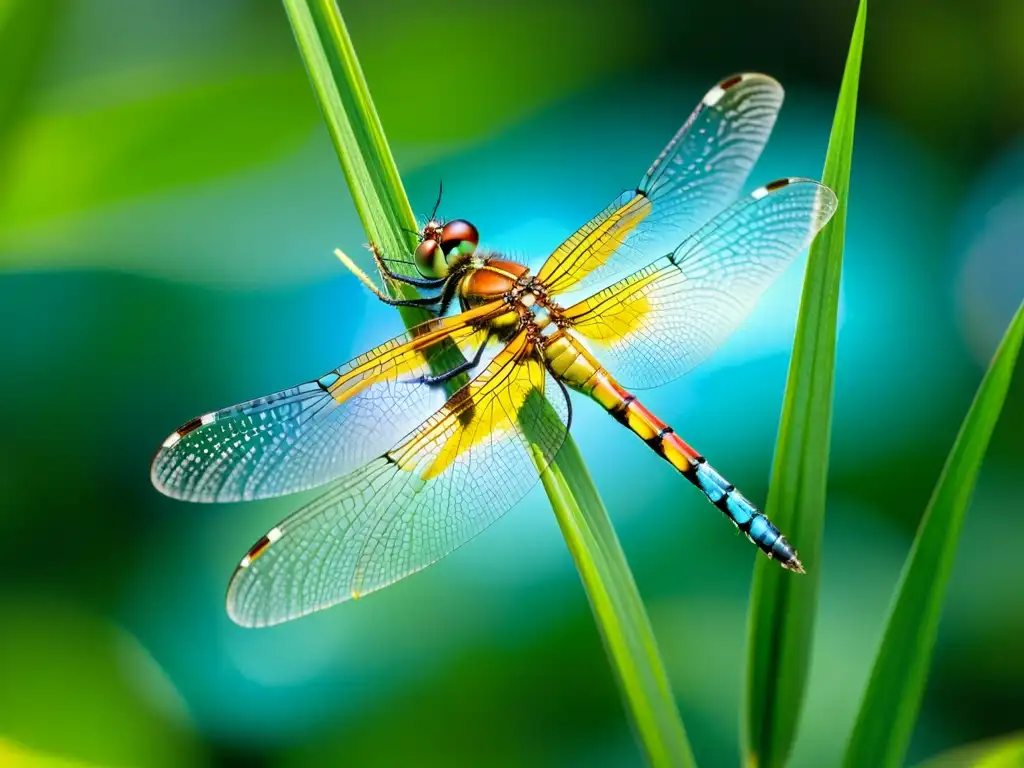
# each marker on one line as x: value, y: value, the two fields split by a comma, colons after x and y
x: 434, y: 490
x: 665, y: 319
x: 700, y: 172
x: 318, y: 431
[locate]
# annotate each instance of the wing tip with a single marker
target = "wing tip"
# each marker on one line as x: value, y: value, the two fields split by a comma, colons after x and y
x: 713, y: 96
x: 825, y: 201
x: 234, y: 602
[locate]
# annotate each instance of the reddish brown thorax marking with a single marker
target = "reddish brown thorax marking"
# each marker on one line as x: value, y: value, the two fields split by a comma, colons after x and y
x: 729, y: 83
x: 495, y: 278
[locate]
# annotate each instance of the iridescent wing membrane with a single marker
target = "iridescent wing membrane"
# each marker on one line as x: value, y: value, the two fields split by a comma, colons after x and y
x: 700, y: 172
x: 316, y: 432
x: 441, y: 485
x: 667, y: 318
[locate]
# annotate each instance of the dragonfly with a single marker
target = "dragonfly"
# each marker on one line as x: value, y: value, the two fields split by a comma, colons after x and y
x: 427, y: 439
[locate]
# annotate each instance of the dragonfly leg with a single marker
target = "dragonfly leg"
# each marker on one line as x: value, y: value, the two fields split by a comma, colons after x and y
x: 441, y: 378
x: 426, y: 301
x: 448, y: 293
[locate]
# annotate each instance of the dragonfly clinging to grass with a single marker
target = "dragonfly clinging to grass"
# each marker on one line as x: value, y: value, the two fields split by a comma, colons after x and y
x: 421, y: 448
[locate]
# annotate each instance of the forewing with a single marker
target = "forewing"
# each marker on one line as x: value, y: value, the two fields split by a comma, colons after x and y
x: 665, y: 319
x: 443, y: 484
x: 699, y: 173
x: 318, y: 431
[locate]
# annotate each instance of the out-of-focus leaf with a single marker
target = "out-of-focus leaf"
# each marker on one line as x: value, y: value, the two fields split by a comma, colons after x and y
x: 500, y: 86
x: 1003, y: 752
x: 889, y: 709
x: 16, y: 756
x: 75, y: 685
x: 88, y: 150
x: 26, y: 28
x: 782, y: 606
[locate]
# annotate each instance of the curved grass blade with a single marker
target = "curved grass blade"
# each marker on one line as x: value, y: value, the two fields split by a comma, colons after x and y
x: 387, y: 217
x: 782, y: 606
x: 886, y: 718
x: 1001, y: 752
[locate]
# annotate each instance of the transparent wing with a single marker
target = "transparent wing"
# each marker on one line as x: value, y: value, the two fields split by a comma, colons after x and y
x: 318, y: 431
x: 443, y: 484
x: 665, y: 319
x: 700, y: 172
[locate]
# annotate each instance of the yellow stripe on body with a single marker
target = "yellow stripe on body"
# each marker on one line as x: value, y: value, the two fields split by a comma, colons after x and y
x: 579, y: 370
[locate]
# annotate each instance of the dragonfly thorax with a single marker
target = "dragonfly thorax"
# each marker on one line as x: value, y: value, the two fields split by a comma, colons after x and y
x: 489, y: 279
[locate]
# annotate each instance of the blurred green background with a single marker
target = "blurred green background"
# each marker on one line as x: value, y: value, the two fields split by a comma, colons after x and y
x: 169, y: 202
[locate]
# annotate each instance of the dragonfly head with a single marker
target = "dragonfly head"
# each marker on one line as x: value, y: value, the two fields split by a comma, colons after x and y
x: 442, y: 244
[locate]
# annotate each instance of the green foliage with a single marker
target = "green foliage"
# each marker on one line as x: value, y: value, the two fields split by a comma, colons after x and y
x: 615, y: 601
x: 93, y: 680
x: 783, y: 606
x: 387, y: 217
x: 143, y: 151
x: 887, y: 714
x: 1004, y: 752
x: 26, y: 28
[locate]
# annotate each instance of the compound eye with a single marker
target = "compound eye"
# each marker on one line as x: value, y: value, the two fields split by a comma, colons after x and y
x: 426, y: 255
x: 459, y: 236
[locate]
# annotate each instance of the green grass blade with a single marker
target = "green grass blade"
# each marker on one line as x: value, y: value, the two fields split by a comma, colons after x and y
x: 357, y: 134
x: 618, y: 609
x: 783, y: 605
x: 386, y: 215
x: 1001, y: 752
x: 886, y: 718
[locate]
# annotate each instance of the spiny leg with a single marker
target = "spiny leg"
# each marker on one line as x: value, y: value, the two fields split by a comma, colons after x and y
x: 427, y: 301
x: 441, y: 378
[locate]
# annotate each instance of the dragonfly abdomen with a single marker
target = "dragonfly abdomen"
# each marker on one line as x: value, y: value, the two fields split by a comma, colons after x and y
x: 581, y: 372
x: 695, y: 468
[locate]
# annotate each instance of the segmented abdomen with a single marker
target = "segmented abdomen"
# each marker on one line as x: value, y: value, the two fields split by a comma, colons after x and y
x: 578, y: 369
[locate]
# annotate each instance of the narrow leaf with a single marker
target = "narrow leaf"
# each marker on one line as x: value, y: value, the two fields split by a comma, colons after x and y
x: 618, y: 609
x: 387, y: 217
x: 886, y: 718
x: 1002, y: 752
x: 783, y: 605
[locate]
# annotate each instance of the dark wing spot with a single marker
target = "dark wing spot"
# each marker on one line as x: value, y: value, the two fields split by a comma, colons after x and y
x: 191, y: 426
